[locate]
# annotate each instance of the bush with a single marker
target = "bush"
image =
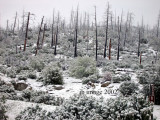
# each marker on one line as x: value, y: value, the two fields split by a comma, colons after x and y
x: 51, y: 75
x: 32, y: 75
x: 128, y: 88
x: 144, y: 78
x: 92, y: 78
x: 11, y: 73
x: 81, y: 107
x: 41, y: 97
x: 3, y: 108
x: 83, y: 67
x: 22, y: 77
x: 123, y: 77
x: 37, y: 65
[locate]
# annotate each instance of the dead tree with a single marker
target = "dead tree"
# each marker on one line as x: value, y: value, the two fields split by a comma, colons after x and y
x: 44, y: 29
x: 139, y: 33
x: 87, y: 32
x: 52, y: 41
x: 121, y: 21
x: 126, y: 31
x: 96, y: 33
x: 140, y: 58
x: 14, y: 23
x: 55, y: 48
x: 118, y: 39
x: 76, y: 36
x: 7, y: 30
x: 39, y: 34
x: 110, y: 49
x: 111, y: 21
x: 158, y: 23
x: 107, y: 20
x: 26, y: 35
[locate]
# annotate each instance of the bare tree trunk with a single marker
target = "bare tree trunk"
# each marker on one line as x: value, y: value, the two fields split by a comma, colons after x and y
x: 52, y: 41
x: 76, y: 32
x: 26, y: 35
x: 96, y: 33
x: 55, y: 48
x: 111, y: 21
x: 158, y: 25
x: 52, y: 37
x: 44, y: 29
x: 118, y: 39
x: 140, y: 58
x: 139, y: 41
x: 7, y: 29
x: 14, y: 23
x: 87, y: 33
x: 110, y: 49
x: 121, y: 21
x: 125, y: 37
x: 106, y: 31
x: 39, y: 34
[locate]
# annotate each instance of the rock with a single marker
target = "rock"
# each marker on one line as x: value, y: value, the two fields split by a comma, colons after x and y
x: 105, y: 84
x: 58, y: 87
x: 20, y: 86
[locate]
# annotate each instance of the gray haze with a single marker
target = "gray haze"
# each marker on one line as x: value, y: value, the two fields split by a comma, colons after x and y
x: 149, y: 9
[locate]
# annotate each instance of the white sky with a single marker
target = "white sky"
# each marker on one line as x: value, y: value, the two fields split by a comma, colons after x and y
x: 148, y: 8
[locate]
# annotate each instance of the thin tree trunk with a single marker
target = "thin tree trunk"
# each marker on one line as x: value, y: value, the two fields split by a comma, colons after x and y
x: 39, y: 34
x: 26, y: 35
x: 96, y: 33
x: 139, y: 42
x: 44, y: 29
x: 76, y: 32
x: 55, y: 48
x: 14, y: 23
x: 106, y: 31
x: 118, y: 39
x: 52, y: 41
x: 110, y: 49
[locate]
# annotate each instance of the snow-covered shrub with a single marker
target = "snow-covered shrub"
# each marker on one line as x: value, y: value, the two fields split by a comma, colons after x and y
x: 107, y: 76
x: 123, y: 77
x: 83, y: 67
x: 3, y: 70
x: 41, y: 97
x: 143, y: 78
x: 20, y: 68
x: 32, y: 113
x: 32, y: 75
x: 81, y: 107
x: 11, y: 72
x: 51, y: 75
x: 91, y: 78
x: 3, y: 108
x: 128, y: 88
x: 37, y: 64
x: 22, y: 77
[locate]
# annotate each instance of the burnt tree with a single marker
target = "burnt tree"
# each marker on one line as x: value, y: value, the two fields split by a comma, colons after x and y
x: 107, y: 20
x: 96, y: 33
x: 76, y: 32
x: 39, y: 34
x: 26, y: 35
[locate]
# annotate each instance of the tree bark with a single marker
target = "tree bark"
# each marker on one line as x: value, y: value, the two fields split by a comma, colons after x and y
x: 96, y: 34
x: 39, y: 34
x: 26, y: 35
x: 106, y: 31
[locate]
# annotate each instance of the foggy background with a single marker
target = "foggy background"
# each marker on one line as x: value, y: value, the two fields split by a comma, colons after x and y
x: 149, y: 9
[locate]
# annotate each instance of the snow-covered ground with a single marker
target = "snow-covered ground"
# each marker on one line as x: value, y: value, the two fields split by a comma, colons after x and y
x: 156, y: 112
x: 14, y: 107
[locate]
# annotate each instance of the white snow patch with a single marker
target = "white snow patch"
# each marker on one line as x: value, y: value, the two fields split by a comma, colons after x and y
x: 156, y: 111
x: 14, y: 107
